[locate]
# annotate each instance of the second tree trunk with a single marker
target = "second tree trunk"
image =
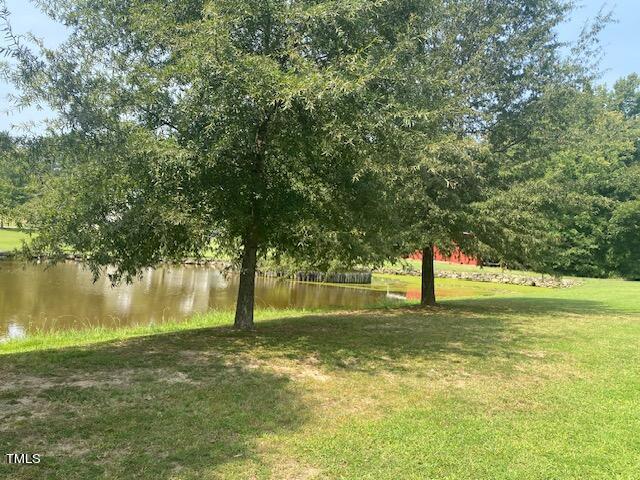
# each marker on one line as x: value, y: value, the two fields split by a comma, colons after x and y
x: 428, y: 277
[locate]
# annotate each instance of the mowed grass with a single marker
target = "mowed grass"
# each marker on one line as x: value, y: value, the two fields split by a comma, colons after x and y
x: 446, y: 288
x: 455, y: 267
x: 11, y: 239
x: 532, y: 384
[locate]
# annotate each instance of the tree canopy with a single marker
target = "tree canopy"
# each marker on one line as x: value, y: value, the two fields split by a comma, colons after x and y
x: 348, y: 130
x: 265, y: 125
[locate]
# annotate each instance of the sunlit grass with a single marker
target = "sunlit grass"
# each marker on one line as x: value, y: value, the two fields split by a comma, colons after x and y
x: 11, y: 239
x: 455, y: 267
x: 49, y: 338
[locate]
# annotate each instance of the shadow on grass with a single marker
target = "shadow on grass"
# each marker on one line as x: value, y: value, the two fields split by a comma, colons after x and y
x: 387, y: 340
x: 530, y: 305
x: 139, y: 409
x: 185, y: 403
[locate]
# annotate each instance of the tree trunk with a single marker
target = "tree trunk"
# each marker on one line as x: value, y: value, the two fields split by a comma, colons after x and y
x: 247, y: 288
x: 428, y: 277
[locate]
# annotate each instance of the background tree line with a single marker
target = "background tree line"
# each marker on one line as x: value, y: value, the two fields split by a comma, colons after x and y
x: 578, y: 187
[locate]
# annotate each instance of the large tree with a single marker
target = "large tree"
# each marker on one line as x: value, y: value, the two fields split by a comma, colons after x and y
x: 505, y: 65
x: 577, y: 169
x: 261, y: 125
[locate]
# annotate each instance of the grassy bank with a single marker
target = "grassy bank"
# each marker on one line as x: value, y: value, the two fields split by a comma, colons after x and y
x: 50, y: 340
x: 455, y: 267
x: 531, y: 385
x: 446, y: 288
x: 11, y: 239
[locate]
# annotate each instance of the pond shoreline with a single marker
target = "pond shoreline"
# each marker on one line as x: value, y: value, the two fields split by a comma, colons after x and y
x: 45, y: 340
x: 356, y: 277
x: 38, y: 297
x: 487, y: 277
x: 353, y: 277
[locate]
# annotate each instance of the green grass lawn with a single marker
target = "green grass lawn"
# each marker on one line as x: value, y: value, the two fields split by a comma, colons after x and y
x: 455, y: 267
x: 447, y: 287
x: 530, y: 384
x: 11, y: 239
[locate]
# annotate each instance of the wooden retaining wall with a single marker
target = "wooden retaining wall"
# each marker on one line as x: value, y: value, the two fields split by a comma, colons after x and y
x: 322, y: 277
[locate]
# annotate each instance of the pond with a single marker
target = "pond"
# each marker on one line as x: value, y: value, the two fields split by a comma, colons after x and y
x: 36, y: 298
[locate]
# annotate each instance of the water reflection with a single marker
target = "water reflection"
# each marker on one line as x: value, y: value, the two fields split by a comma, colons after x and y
x: 15, y: 330
x: 33, y: 297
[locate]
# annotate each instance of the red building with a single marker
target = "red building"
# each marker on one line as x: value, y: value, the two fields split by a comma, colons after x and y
x: 456, y: 257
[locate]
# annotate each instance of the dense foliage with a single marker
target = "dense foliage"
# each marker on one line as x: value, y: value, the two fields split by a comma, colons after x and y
x: 22, y: 172
x: 327, y: 132
x: 266, y: 126
x: 12, y: 180
x: 624, y: 234
x: 570, y: 187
